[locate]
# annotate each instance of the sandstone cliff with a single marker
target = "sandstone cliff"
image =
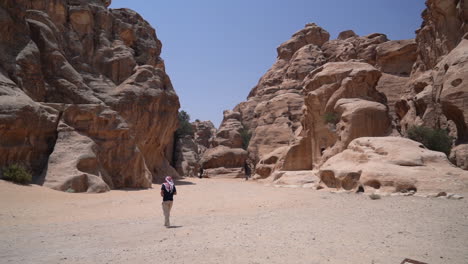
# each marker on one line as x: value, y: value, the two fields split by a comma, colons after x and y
x: 190, y: 148
x: 84, y: 95
x: 322, y: 94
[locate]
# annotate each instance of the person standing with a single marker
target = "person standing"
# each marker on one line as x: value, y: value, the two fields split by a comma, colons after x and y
x: 201, y: 173
x: 247, y: 170
x: 168, y: 190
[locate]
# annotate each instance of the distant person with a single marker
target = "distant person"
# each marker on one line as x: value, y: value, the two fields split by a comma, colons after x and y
x: 168, y: 190
x: 201, y: 173
x: 247, y: 171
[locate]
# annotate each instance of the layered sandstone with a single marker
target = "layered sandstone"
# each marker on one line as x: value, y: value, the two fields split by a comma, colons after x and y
x: 189, y: 149
x: 274, y: 110
x: 77, y: 77
x: 322, y: 94
x: 341, y: 104
x: 226, y: 157
x: 393, y: 164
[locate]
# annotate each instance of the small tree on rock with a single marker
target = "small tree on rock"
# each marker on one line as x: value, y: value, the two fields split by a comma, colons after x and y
x: 185, y: 128
x: 246, y: 136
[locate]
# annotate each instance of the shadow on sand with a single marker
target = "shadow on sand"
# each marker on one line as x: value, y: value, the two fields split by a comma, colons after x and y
x: 181, y: 182
x: 174, y: 227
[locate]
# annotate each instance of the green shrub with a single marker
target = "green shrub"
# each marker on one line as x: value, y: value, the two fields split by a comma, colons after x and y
x: 185, y: 128
x: 17, y: 173
x: 331, y: 118
x: 246, y: 136
x: 433, y: 139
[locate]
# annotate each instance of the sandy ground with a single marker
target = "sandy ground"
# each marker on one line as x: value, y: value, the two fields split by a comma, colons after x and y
x: 228, y: 221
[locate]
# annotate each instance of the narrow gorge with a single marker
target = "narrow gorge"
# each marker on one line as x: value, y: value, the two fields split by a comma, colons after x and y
x: 86, y: 105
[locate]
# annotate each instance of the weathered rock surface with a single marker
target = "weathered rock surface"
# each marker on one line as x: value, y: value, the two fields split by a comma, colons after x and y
x: 204, y: 134
x: 222, y: 172
x: 444, y: 25
x: 187, y: 156
x: 393, y: 86
x: 396, y: 57
x: 228, y: 133
x: 354, y: 47
x: 326, y: 105
x: 394, y: 164
x: 437, y: 98
x: 222, y: 156
x: 272, y: 111
x: 76, y: 71
x: 189, y: 150
x: 459, y: 156
x: 322, y: 96
x: 27, y: 128
x: 274, y: 108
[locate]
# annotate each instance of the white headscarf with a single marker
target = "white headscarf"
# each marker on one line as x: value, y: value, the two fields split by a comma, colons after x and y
x: 169, y: 184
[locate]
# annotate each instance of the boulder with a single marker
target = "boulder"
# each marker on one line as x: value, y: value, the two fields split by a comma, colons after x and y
x: 311, y: 34
x: 221, y: 172
x: 459, y: 156
x: 359, y: 118
x: 393, y: 164
x: 347, y: 34
x: 222, y: 156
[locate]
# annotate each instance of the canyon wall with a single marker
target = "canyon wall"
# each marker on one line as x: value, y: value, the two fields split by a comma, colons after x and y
x: 321, y: 95
x: 86, y: 104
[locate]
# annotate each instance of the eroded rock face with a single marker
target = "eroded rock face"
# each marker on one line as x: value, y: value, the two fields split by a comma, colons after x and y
x: 189, y: 150
x: 27, y: 128
x: 272, y: 111
x: 326, y: 104
x: 396, y: 57
x: 354, y: 47
x: 437, y: 97
x: 205, y: 133
x: 274, y: 108
x: 228, y: 133
x: 187, y: 157
x: 97, y: 73
x: 225, y: 157
x: 459, y: 156
x: 393, y: 164
x: 222, y: 156
x: 444, y: 25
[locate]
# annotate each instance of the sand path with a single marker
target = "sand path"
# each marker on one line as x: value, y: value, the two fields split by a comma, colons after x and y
x: 228, y: 221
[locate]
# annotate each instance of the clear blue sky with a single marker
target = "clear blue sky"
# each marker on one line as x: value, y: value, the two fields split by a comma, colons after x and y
x: 216, y: 50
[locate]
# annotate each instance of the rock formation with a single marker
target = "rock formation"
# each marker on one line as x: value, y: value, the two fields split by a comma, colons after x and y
x: 394, y: 164
x: 83, y: 95
x: 189, y: 149
x: 226, y: 157
x: 322, y: 94
x: 438, y: 87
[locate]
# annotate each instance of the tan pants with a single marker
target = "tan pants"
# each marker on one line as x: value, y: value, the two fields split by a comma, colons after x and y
x: 167, y: 206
